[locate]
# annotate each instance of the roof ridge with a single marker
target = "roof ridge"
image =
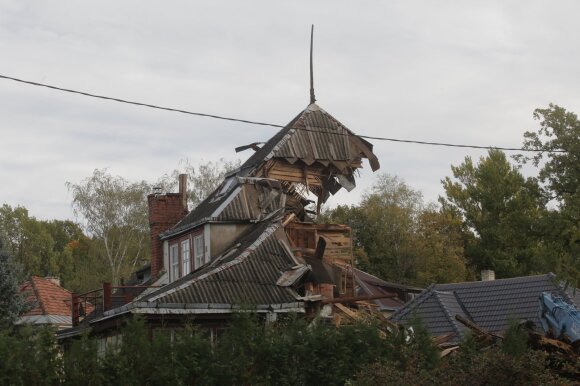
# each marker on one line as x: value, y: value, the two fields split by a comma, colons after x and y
x: 463, y: 308
x: 481, y: 282
x: 37, y: 293
x: 406, y: 308
x: 447, y: 313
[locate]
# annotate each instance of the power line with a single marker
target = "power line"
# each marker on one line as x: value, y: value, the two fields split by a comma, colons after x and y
x: 265, y: 123
x: 137, y: 103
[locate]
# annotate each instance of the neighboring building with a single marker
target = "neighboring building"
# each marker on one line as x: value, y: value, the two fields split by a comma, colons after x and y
x: 489, y: 304
x: 51, y: 303
x: 253, y: 242
x: 370, y: 285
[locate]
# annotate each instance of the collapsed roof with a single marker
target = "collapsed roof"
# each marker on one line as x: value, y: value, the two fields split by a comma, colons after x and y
x: 314, y: 153
x: 277, y: 259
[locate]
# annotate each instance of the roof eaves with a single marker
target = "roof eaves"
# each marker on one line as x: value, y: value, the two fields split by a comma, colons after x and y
x: 196, y: 308
x: 177, y: 231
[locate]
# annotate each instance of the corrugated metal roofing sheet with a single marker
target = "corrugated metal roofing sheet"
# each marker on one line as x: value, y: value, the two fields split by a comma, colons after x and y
x: 317, y: 136
x: 246, y: 277
x: 61, y: 320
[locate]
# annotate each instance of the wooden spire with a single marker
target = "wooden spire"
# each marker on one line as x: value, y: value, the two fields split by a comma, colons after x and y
x: 312, y: 98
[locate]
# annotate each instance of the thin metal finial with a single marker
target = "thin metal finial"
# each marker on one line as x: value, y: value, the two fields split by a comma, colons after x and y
x: 312, y: 98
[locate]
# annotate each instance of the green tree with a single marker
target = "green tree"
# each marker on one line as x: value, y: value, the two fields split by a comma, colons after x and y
x: 30, y: 356
x: 500, y: 209
x: 557, y: 143
x: 114, y: 212
x: 28, y: 240
x: 439, y: 246
x: 388, y: 221
x: 40, y: 246
x: 12, y: 300
x: 399, y: 238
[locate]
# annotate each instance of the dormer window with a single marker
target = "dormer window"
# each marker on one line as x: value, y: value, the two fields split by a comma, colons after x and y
x: 186, y: 254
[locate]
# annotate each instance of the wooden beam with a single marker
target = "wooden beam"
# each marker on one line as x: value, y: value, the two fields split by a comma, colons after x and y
x: 352, y: 299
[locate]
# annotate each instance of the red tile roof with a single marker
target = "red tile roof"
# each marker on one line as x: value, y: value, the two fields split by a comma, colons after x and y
x: 49, y: 297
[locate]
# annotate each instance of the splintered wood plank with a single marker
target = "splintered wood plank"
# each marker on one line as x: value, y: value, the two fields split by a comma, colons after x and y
x: 347, y: 311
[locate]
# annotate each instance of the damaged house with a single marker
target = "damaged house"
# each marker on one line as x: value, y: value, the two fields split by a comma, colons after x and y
x: 252, y: 243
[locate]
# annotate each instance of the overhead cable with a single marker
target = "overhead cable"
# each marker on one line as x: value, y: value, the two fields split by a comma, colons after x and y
x: 265, y: 123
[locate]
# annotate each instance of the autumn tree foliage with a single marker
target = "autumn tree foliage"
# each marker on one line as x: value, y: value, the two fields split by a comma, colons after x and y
x: 400, y: 238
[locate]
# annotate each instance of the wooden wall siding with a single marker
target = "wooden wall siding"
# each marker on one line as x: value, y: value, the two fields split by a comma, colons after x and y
x: 282, y: 170
x: 338, y: 240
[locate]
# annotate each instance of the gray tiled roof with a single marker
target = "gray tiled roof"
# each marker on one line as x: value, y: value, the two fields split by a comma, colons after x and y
x: 489, y: 304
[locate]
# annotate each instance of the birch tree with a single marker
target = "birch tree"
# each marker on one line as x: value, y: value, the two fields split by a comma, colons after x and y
x: 114, y: 212
x: 202, y: 179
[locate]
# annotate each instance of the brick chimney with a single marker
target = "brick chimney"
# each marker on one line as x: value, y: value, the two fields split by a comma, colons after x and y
x: 487, y: 275
x: 165, y: 210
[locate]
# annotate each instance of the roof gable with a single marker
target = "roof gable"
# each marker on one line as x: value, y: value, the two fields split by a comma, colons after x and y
x: 313, y: 136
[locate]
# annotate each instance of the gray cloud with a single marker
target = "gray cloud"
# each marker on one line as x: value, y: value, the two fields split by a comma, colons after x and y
x: 451, y: 71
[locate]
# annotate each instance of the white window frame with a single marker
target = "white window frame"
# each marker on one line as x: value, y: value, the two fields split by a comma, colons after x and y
x: 185, y: 257
x: 174, y: 261
x: 198, y: 251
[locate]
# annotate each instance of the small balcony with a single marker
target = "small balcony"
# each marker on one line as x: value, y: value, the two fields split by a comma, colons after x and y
x: 91, y: 305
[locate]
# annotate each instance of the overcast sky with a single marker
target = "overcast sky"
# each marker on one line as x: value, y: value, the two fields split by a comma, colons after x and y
x: 448, y: 71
